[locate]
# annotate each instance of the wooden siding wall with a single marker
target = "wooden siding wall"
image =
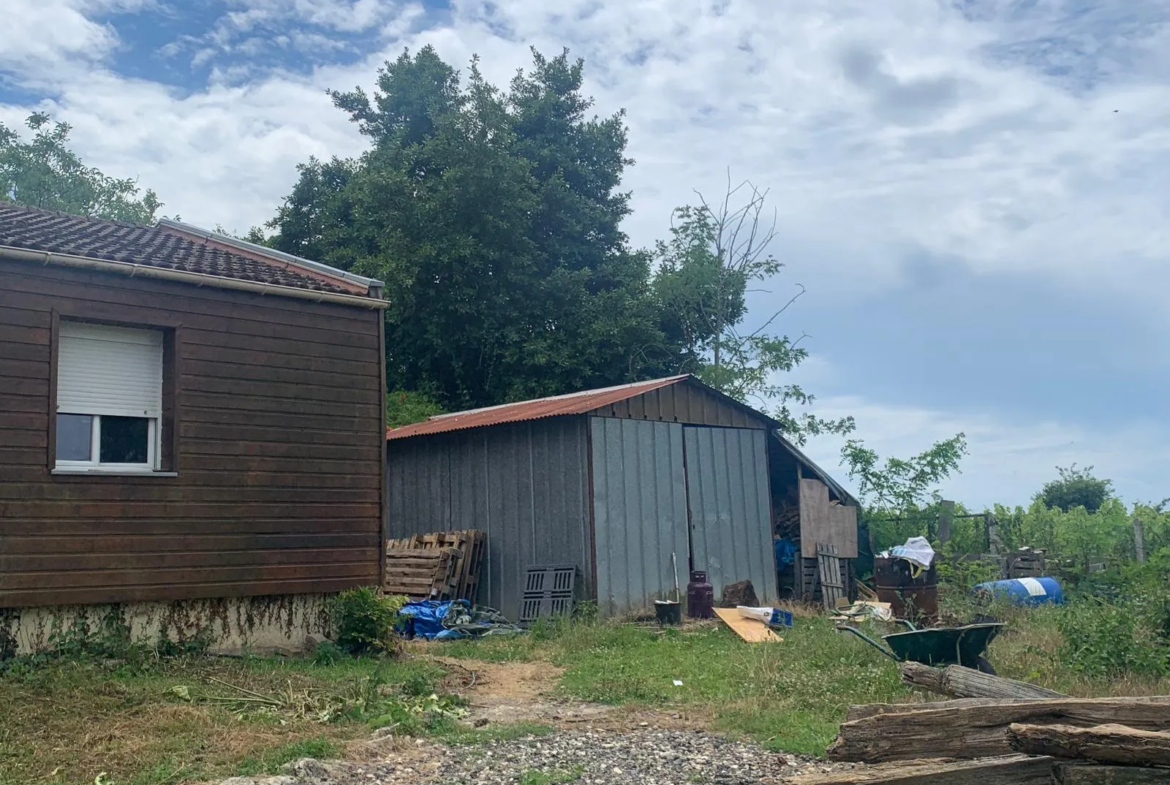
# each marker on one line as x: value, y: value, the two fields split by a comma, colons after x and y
x: 683, y: 403
x: 278, y: 450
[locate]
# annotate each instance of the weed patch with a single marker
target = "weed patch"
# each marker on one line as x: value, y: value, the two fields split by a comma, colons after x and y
x: 67, y: 720
x: 270, y: 761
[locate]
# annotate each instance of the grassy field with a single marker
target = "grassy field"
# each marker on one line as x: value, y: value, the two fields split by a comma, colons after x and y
x: 789, y: 696
x: 165, y: 722
x: 69, y: 720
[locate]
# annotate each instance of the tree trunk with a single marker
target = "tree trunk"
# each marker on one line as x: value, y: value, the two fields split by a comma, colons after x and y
x: 1013, y: 770
x: 960, y: 682
x: 1089, y: 774
x: 981, y: 731
x: 1101, y: 744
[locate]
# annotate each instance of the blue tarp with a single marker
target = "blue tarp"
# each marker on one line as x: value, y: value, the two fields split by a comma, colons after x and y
x: 424, y: 619
x: 450, y: 619
x: 785, y: 553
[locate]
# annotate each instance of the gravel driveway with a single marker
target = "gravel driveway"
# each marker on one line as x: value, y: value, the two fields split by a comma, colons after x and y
x: 589, y: 757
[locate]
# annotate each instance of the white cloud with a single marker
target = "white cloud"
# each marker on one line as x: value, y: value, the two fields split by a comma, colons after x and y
x: 878, y: 127
x: 1008, y: 461
x: 351, y: 16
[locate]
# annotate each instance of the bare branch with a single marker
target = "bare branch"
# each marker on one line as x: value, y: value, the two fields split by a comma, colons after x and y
x: 776, y: 315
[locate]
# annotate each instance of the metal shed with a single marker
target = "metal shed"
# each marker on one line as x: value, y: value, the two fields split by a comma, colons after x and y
x: 612, y: 480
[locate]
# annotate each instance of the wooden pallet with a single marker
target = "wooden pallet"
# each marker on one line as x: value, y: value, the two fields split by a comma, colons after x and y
x: 809, y: 578
x: 468, y: 550
x: 832, y: 579
x: 422, y: 574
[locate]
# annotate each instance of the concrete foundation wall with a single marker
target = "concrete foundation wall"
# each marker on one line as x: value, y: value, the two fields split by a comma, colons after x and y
x: 285, y: 623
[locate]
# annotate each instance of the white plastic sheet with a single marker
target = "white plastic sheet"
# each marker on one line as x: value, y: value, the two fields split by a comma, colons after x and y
x: 917, y: 550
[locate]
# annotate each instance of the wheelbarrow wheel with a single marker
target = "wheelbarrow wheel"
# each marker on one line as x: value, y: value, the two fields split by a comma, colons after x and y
x: 983, y: 665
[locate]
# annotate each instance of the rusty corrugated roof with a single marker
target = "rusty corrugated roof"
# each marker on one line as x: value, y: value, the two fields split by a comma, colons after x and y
x: 573, y: 403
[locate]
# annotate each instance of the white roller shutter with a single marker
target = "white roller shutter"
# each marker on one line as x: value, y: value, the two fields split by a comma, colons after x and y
x: 109, y: 370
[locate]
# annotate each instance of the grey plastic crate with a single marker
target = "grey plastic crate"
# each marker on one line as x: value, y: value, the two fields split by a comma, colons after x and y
x: 549, y: 590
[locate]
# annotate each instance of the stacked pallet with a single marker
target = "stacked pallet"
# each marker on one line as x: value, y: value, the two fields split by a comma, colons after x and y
x: 454, y: 557
x: 1026, y: 563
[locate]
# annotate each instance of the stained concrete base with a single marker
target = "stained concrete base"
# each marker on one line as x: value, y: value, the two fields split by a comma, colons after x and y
x: 285, y: 623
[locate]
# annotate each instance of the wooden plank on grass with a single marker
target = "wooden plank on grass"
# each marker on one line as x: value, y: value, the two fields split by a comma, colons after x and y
x: 982, y: 731
x: 1100, y: 744
x: 750, y: 630
x: 1011, y: 770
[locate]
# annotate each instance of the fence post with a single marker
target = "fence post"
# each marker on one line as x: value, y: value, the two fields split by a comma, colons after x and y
x: 946, y: 516
x: 1139, y: 539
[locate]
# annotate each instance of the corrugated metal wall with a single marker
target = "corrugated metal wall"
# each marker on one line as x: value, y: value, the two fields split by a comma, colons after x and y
x: 727, y: 486
x: 525, y: 484
x: 640, y: 510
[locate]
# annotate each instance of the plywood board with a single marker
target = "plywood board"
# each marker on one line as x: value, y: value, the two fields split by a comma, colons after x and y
x: 843, y: 528
x: 815, y: 526
x: 750, y: 630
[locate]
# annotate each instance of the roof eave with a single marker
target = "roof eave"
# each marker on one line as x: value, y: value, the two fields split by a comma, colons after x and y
x: 199, y: 279
x: 371, y: 286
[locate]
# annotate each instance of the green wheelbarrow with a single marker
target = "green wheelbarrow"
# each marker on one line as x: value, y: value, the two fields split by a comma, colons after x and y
x: 966, y: 646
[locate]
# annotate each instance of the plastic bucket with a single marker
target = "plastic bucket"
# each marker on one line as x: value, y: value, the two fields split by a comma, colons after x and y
x: 667, y: 612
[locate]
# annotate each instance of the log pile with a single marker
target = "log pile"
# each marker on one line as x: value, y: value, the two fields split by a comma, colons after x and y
x: 1003, y: 732
x: 437, y: 566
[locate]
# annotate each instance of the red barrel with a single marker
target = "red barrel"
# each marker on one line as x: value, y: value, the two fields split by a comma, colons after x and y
x: 700, y: 596
x: 913, y: 598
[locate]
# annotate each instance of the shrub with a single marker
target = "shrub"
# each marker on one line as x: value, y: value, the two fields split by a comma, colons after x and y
x: 1102, y: 639
x: 327, y: 653
x: 364, y: 620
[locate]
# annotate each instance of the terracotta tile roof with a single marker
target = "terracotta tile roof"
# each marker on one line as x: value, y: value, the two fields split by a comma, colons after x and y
x: 165, y: 246
x: 573, y: 403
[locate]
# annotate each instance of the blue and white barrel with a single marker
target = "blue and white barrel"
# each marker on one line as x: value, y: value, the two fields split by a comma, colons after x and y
x: 1024, y: 591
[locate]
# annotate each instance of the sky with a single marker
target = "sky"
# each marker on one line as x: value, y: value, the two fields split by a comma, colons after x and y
x: 973, y: 193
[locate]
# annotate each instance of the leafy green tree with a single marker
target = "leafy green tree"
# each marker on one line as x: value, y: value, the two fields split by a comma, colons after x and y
x: 405, y: 407
x: 897, y: 493
x: 44, y: 172
x: 493, y: 216
x: 901, y: 484
x: 716, y: 254
x: 1076, y: 488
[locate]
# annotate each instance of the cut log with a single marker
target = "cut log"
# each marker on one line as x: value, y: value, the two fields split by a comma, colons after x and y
x: 1090, y: 774
x: 981, y: 731
x: 860, y: 712
x: 1100, y: 744
x: 1012, y: 770
x: 959, y: 682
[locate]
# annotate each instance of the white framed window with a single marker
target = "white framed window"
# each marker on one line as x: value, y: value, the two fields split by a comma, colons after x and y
x: 109, y: 398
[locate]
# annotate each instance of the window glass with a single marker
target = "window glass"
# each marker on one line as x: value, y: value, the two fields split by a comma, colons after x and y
x: 74, y: 437
x: 124, y: 439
